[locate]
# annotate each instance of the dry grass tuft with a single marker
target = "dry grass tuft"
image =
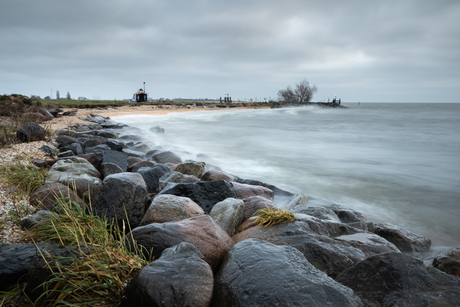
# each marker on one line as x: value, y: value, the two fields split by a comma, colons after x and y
x: 270, y: 217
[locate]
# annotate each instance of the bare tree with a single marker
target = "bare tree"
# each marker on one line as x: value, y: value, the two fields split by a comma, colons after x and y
x: 302, y: 93
x: 57, y: 95
x: 68, y: 96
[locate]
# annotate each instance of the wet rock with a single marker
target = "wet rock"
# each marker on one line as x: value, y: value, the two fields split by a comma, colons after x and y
x: 115, y: 157
x: 178, y: 278
x: 48, y: 149
x: 326, y: 254
x: 347, y: 215
x: 44, y: 163
x: 116, y: 145
x: 228, y: 214
x: 255, y: 203
x: 133, y: 160
x: 448, y: 261
x: 130, y: 137
x: 191, y: 168
x: 205, y: 194
x: 157, y: 129
x: 133, y: 153
x: 318, y: 212
x: 152, y: 175
x: 175, y: 177
x: 369, y: 243
x: 297, y: 201
x: 91, y: 158
x: 76, y: 173
x: 122, y: 198
x: 166, y: 157
x: 108, y: 168
x: 48, y: 195
x: 170, y: 208
x: 245, y: 190
x: 257, y: 273
x: 76, y: 148
x: 31, y: 132
x: 141, y: 147
x: 407, y: 282
x: 140, y: 164
x: 106, y: 134
x: 16, y: 260
x: 248, y: 223
x: 405, y: 240
x: 202, y: 231
x: 98, y: 150
x: 91, y: 143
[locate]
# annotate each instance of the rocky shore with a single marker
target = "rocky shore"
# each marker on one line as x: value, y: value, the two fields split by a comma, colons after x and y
x: 200, y: 224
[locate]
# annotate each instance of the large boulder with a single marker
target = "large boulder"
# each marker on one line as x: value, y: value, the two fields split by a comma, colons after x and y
x: 16, y: 260
x: 170, y: 208
x: 178, y: 278
x: 191, y: 168
x: 318, y: 212
x: 108, y: 168
x: 48, y: 196
x: 166, y: 157
x: 152, y: 175
x: 202, y: 231
x: 134, y: 167
x: 31, y: 132
x: 76, y: 173
x: 257, y: 273
x: 64, y: 140
x: 228, y: 214
x: 115, y: 157
x: 122, y: 198
x: 206, y: 194
x: 405, y: 240
x: 397, y: 279
x: 369, y: 243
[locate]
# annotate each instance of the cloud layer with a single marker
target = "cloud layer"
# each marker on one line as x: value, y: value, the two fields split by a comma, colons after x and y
x: 388, y: 51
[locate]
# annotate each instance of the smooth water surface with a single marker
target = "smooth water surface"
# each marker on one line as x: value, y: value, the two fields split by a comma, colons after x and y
x: 396, y: 163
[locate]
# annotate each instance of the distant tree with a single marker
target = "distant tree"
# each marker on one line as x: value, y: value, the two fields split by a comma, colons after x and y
x: 57, y: 95
x: 68, y: 96
x: 302, y: 93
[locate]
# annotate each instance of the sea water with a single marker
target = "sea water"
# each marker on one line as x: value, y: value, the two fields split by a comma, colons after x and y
x: 397, y: 163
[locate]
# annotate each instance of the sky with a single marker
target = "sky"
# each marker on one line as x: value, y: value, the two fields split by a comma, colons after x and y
x: 359, y: 50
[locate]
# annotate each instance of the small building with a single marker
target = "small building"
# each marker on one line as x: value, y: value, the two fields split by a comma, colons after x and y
x: 140, y: 96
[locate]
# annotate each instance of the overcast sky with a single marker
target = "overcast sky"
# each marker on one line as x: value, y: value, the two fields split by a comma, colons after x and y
x: 359, y: 50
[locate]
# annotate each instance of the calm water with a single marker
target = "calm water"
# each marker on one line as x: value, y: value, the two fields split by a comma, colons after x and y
x: 398, y: 163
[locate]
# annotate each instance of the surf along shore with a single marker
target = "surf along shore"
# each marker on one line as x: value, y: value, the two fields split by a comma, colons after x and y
x: 322, y: 251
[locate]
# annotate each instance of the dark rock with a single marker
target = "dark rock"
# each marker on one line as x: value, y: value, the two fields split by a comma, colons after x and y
x: 91, y: 143
x: 448, y: 261
x: 297, y: 201
x: 140, y: 164
x: 205, y: 194
x: 396, y: 279
x: 48, y: 149
x: 191, y: 168
x: 405, y: 240
x: 279, y: 194
x: 170, y: 208
x: 318, y: 212
x: 31, y: 132
x: 257, y: 273
x: 115, y: 157
x: 122, y: 198
x: 140, y: 147
x: 228, y: 214
x: 76, y: 148
x: 46, y: 113
x: 108, y: 168
x: 217, y: 175
x: 369, y: 243
x: 202, y: 231
x: 255, y: 203
x: 175, y: 177
x: 178, y: 278
x: 157, y: 129
x: 47, y: 196
x: 133, y: 160
x: 152, y: 152
x: 98, y: 150
x: 116, y: 145
x: 326, y: 254
x: 107, y: 134
x: 347, y: 215
x: 246, y: 190
x: 166, y: 157
x: 130, y: 137
x: 108, y: 125
x: 152, y: 175
x: 63, y: 140
x: 133, y: 153
x: 67, y: 153
x: 16, y: 260
x: 30, y: 222
x: 96, y: 119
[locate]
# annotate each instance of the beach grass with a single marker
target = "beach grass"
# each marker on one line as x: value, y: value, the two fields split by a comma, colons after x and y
x: 273, y: 216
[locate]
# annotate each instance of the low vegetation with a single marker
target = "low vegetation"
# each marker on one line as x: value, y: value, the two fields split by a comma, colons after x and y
x: 273, y: 216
